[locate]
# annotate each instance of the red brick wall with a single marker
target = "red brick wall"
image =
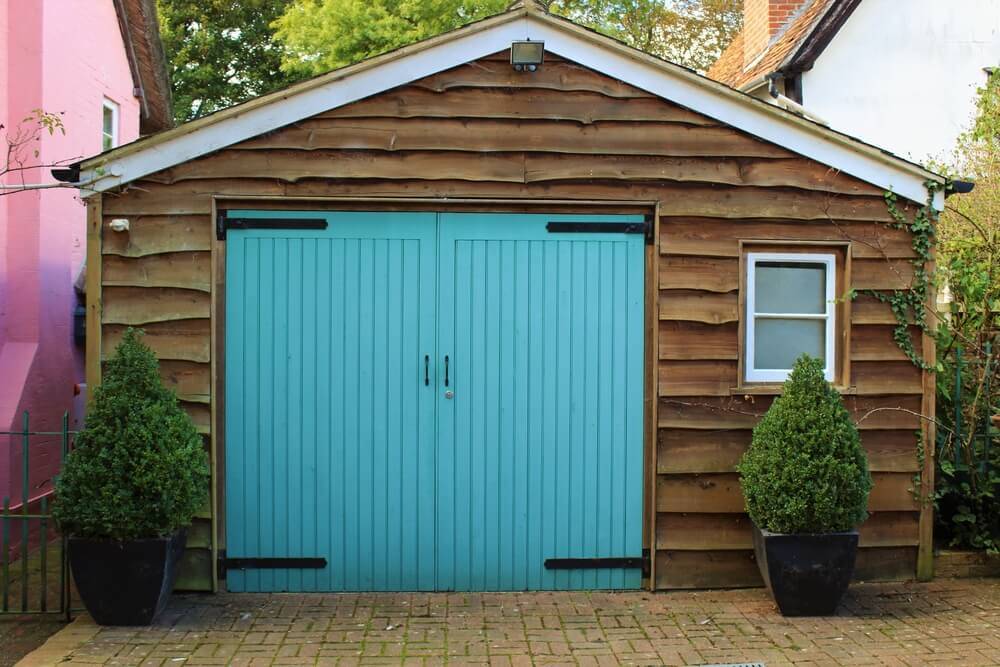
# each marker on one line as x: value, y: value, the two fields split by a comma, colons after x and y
x: 762, y: 19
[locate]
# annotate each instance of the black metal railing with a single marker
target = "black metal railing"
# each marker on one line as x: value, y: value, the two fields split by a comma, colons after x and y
x: 34, y: 569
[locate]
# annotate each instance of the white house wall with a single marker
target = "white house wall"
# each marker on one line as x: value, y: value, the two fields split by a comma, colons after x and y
x: 903, y: 74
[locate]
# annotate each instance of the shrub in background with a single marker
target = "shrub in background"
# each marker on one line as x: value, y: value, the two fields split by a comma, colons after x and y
x: 967, y: 483
x: 805, y: 470
x: 138, y: 468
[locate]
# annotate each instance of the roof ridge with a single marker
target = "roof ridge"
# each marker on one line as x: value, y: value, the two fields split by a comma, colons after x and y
x: 531, y: 6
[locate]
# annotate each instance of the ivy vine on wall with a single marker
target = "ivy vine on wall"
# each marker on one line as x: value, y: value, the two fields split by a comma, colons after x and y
x: 909, y: 305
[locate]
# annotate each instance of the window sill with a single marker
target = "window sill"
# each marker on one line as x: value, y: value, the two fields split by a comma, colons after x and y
x: 778, y: 389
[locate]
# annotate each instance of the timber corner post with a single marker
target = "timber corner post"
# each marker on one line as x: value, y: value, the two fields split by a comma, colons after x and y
x: 95, y: 225
x: 217, y: 389
x: 928, y: 433
x: 652, y: 398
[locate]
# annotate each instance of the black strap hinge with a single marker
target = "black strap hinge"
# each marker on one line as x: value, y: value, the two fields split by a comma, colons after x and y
x: 226, y: 564
x: 622, y: 563
x: 224, y: 221
x: 583, y: 227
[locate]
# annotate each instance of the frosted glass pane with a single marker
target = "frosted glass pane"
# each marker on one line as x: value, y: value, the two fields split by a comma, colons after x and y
x: 778, y: 343
x: 790, y: 287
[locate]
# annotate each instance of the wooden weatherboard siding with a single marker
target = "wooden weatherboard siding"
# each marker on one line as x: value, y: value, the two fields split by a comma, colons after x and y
x: 482, y: 131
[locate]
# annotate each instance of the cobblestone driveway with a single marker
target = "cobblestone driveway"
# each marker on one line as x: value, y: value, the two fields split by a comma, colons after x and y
x: 945, y: 622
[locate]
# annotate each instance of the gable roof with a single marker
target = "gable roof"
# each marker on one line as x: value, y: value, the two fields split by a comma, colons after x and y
x: 528, y: 21
x: 792, y: 50
x: 141, y: 34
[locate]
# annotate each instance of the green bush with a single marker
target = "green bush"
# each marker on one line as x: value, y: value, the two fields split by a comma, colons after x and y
x: 805, y: 470
x: 138, y: 468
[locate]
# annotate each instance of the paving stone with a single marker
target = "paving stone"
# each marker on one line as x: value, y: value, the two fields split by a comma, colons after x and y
x: 944, y: 622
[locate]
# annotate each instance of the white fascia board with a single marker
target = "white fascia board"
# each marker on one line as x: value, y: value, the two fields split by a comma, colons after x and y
x: 741, y: 112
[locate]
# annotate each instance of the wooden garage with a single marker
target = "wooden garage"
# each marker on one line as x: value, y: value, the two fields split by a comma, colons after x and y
x: 595, y: 233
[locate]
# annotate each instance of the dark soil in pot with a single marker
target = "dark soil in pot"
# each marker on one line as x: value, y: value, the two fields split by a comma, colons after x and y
x: 126, y: 583
x: 807, y: 574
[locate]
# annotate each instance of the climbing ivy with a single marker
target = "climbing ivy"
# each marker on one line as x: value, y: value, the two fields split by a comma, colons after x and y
x: 909, y: 305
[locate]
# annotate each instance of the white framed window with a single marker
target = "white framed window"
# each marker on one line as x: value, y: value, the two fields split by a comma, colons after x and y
x: 790, y: 310
x: 109, y: 128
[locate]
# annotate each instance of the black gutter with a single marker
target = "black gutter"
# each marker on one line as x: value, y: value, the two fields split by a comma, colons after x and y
x: 959, y: 188
x: 70, y: 174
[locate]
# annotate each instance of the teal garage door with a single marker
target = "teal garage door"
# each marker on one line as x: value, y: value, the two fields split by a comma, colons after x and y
x: 421, y: 401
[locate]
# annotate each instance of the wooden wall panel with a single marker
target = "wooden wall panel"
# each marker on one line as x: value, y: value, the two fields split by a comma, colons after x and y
x: 886, y: 412
x: 875, y: 342
x: 721, y: 492
x: 482, y: 131
x: 580, y: 106
x: 694, y: 451
x: 137, y: 306
x: 182, y: 340
x: 686, y: 340
x: 155, y: 234
x: 186, y: 270
x: 713, y: 237
x: 697, y: 531
x: 738, y: 568
x: 489, y: 135
x: 706, y: 569
x: 699, y: 306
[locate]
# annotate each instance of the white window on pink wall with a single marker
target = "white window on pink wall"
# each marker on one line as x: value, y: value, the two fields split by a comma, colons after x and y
x: 110, y: 125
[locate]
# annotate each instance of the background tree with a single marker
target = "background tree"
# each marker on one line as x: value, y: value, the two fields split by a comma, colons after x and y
x: 693, y: 33
x: 21, y: 163
x: 968, y: 480
x: 221, y: 52
x: 319, y: 35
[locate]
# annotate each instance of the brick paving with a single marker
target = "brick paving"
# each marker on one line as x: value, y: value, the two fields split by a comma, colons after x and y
x: 20, y: 635
x: 942, y: 622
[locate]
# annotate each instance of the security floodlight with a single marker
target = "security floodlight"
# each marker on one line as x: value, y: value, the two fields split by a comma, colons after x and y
x: 527, y: 56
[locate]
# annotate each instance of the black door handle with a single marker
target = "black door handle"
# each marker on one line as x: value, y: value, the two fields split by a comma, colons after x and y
x: 427, y: 363
x: 446, y: 370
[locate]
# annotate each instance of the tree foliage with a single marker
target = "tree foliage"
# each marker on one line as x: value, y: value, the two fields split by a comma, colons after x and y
x: 693, y: 33
x: 805, y: 470
x: 223, y: 52
x: 220, y: 52
x: 320, y: 35
x: 138, y: 468
x: 22, y: 162
x: 968, y: 479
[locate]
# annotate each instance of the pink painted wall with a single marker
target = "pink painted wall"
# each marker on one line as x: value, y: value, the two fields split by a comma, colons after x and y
x: 61, y: 56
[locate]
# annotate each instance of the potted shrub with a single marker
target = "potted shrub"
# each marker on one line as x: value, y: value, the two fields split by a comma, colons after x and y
x: 128, y: 490
x: 806, y: 483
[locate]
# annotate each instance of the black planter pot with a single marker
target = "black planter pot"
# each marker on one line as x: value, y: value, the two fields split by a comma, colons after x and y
x: 807, y: 574
x: 126, y: 583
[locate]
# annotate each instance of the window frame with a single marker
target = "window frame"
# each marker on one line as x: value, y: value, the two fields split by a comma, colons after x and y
x: 111, y: 105
x: 773, y: 376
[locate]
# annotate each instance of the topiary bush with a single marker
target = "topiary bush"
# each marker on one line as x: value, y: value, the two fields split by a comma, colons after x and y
x: 805, y: 470
x: 138, y: 468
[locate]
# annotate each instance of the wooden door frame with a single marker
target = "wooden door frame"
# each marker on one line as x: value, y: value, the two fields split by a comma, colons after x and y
x: 650, y: 322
